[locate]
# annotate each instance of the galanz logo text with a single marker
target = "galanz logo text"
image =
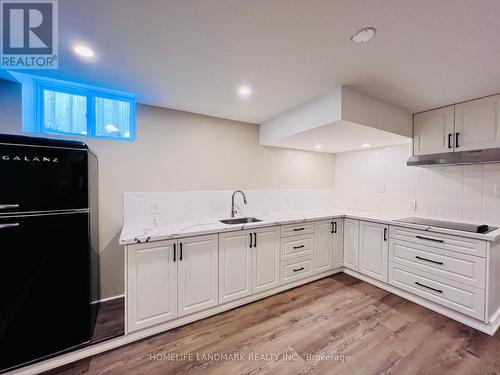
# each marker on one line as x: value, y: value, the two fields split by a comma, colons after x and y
x: 34, y: 159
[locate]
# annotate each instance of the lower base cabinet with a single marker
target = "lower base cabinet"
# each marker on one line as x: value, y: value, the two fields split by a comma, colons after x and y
x: 151, y: 294
x: 351, y: 244
x: 374, y: 250
x: 338, y: 243
x: 328, y: 245
x: 198, y: 274
x: 167, y: 279
x: 248, y: 262
x: 296, y: 269
x: 266, y: 259
x: 323, y: 245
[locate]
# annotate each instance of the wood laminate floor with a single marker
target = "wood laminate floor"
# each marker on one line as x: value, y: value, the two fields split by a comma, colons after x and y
x: 110, y: 321
x: 336, y: 325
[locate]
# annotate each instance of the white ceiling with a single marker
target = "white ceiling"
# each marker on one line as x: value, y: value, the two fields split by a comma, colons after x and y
x: 193, y: 54
x: 341, y: 136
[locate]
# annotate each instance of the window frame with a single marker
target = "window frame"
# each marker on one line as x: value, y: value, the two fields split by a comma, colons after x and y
x: 90, y: 94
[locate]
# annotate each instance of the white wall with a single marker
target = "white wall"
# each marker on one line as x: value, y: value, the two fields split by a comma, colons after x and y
x: 178, y: 151
x: 456, y: 193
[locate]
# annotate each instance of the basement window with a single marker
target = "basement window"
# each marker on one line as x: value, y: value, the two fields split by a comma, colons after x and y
x: 78, y: 110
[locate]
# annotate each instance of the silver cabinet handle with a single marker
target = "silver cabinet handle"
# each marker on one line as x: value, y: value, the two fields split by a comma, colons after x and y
x: 7, y: 206
x: 10, y: 225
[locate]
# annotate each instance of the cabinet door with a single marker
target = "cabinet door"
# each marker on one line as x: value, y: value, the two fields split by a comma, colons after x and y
x: 198, y: 273
x: 151, y: 284
x: 373, y: 250
x: 323, y: 246
x: 338, y: 243
x: 351, y: 243
x: 266, y: 259
x: 235, y: 266
x: 433, y: 131
x: 477, y: 124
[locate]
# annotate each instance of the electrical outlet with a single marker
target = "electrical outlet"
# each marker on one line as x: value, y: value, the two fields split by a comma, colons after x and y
x: 154, y: 208
x: 412, y: 205
x: 497, y: 191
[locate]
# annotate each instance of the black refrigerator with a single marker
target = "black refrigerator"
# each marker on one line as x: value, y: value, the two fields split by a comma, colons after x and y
x: 48, y: 248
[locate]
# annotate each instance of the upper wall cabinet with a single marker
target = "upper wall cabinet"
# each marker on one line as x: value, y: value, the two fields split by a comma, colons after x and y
x: 433, y: 131
x: 473, y: 125
x: 477, y: 124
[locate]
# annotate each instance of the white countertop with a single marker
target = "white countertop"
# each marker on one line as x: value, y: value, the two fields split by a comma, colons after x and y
x: 187, y: 228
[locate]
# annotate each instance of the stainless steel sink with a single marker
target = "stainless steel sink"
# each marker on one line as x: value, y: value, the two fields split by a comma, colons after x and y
x: 240, y: 220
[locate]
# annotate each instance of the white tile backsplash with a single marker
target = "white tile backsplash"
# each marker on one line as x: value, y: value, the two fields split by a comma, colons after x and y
x: 459, y: 193
x: 189, y: 205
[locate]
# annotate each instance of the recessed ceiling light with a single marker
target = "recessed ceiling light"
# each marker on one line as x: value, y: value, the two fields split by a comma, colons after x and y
x: 365, y: 145
x: 83, y: 51
x: 317, y: 147
x: 364, y: 35
x: 244, y: 91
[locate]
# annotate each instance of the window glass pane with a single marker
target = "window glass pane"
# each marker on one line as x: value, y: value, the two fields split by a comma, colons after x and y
x: 64, y: 113
x: 112, y: 118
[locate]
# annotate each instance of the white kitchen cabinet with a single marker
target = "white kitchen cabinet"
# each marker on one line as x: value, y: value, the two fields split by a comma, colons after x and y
x: 323, y: 249
x: 235, y: 265
x: 351, y: 244
x: 198, y: 276
x: 266, y: 259
x: 477, y: 124
x: 248, y: 262
x: 433, y: 131
x: 338, y: 243
x: 374, y: 250
x: 151, y: 284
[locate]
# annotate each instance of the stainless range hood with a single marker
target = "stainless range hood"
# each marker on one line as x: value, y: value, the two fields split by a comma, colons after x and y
x: 491, y: 155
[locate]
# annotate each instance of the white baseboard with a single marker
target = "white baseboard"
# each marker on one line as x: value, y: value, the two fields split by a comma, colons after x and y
x: 108, y: 299
x: 144, y: 333
x: 495, y: 320
x: 489, y: 329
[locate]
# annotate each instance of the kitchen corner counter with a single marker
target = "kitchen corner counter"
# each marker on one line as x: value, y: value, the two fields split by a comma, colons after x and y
x: 187, y: 228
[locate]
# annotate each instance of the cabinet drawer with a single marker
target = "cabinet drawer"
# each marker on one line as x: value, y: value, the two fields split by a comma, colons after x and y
x: 295, y: 247
x: 296, y: 229
x: 296, y: 269
x: 451, y: 265
x: 457, y: 296
x: 443, y: 241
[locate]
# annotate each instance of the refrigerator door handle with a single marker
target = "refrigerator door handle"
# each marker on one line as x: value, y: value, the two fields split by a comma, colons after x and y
x: 7, y: 206
x: 10, y: 225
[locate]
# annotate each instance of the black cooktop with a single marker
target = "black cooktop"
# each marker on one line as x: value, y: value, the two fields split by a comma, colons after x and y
x: 474, y: 228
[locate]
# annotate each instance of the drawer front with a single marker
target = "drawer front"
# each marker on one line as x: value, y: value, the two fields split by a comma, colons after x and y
x: 451, y: 265
x: 443, y: 241
x: 456, y: 296
x: 295, y: 247
x: 296, y: 229
x: 296, y: 269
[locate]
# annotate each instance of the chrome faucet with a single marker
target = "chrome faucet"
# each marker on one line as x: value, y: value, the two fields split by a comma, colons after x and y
x: 233, y: 210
